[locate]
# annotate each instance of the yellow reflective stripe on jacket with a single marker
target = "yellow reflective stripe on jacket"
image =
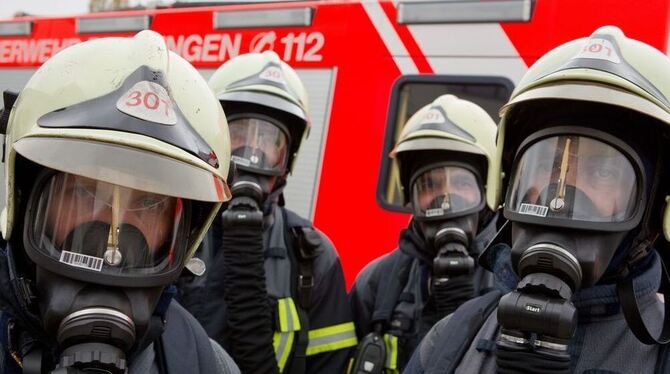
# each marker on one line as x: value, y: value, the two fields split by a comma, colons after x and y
x: 283, y: 343
x: 289, y: 323
x: 331, y: 338
x: 391, y: 342
x: 288, y: 315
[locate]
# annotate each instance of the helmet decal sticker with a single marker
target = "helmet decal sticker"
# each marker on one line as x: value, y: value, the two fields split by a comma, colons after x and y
x: 436, y: 119
x: 143, y: 97
x: 603, y: 54
x: 273, y: 73
x: 433, y: 116
x: 148, y: 101
x: 601, y: 49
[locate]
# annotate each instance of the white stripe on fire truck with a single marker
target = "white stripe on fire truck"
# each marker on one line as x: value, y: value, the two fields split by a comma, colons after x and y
x: 469, y: 49
x: 390, y: 37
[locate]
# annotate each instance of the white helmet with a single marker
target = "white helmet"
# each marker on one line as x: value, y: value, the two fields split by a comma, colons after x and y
x: 121, y: 141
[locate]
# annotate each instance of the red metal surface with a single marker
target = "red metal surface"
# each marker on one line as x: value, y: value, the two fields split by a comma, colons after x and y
x: 407, y: 39
x: 559, y: 21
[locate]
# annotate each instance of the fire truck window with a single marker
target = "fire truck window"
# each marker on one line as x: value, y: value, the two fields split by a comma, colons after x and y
x: 409, y: 95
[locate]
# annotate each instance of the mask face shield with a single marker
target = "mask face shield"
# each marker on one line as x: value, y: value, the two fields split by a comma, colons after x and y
x: 259, y: 145
x: 446, y: 191
x: 576, y: 181
x: 89, y: 229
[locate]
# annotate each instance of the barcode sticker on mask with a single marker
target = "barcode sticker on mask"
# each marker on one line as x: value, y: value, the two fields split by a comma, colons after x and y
x: 533, y: 210
x: 434, y: 212
x: 241, y: 161
x: 81, y: 261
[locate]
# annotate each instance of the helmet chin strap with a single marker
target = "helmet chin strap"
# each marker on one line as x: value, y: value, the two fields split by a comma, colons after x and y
x: 631, y: 310
x: 642, y: 246
x: 628, y: 300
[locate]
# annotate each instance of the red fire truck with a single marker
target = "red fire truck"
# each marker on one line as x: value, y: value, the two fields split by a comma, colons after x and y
x: 367, y: 64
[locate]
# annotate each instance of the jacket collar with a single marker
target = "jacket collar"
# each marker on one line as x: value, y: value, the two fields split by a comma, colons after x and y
x: 413, y: 243
x: 599, y: 300
x: 603, y: 300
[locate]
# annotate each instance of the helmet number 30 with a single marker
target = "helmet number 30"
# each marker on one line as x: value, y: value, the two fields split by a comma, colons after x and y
x: 148, y: 101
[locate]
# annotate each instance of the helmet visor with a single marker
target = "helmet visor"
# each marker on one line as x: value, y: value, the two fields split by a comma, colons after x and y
x: 103, y: 227
x: 258, y: 145
x: 445, y: 191
x: 574, y: 178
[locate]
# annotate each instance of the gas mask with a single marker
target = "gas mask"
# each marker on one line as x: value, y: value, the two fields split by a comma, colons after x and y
x: 446, y: 201
x: 103, y: 255
x: 574, y: 196
x: 260, y: 151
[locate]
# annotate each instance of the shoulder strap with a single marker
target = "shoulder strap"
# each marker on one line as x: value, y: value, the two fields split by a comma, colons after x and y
x: 663, y: 360
x: 633, y: 316
x: 8, y: 344
x: 302, y: 242
x: 185, y: 345
x: 459, y: 332
x: 161, y: 362
x: 292, y: 219
x: 391, y: 286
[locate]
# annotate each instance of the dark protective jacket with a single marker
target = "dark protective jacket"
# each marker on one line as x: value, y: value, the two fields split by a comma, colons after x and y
x: 180, y: 341
x: 603, y: 342
x: 415, y: 309
x: 326, y: 325
x: 180, y: 345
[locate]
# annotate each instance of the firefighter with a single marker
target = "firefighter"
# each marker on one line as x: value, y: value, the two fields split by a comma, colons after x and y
x: 444, y: 155
x: 116, y: 158
x: 273, y: 291
x: 584, y: 141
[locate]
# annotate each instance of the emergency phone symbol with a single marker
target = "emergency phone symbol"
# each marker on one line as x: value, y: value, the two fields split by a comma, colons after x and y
x: 263, y: 41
